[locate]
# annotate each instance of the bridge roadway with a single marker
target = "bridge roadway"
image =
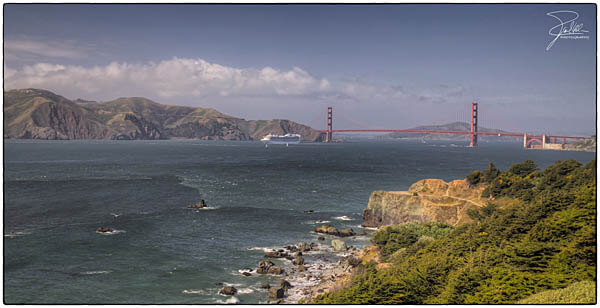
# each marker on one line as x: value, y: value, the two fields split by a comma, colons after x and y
x: 447, y: 132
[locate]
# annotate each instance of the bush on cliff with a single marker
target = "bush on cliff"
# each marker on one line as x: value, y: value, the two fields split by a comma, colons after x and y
x: 546, y: 241
x: 391, y: 238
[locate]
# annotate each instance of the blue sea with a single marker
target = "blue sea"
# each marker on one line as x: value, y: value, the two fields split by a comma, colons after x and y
x: 57, y: 193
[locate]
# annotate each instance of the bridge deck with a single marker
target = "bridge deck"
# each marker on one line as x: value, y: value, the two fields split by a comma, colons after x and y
x: 445, y: 132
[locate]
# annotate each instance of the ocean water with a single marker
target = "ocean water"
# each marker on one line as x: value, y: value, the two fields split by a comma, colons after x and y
x: 56, y: 193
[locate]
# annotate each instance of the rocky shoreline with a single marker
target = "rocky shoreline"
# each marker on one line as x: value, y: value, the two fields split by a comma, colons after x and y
x: 306, y: 270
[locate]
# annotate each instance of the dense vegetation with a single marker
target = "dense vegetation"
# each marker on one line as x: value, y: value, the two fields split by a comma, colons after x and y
x: 544, y: 239
x: 583, y: 292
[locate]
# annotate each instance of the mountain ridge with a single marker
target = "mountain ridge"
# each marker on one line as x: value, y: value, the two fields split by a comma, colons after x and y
x: 454, y: 126
x: 42, y: 114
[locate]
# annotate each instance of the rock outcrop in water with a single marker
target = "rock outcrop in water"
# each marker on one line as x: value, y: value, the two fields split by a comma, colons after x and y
x: 41, y: 114
x: 426, y: 200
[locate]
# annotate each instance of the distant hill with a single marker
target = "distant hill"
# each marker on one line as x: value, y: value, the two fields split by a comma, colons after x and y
x: 455, y: 126
x: 41, y: 114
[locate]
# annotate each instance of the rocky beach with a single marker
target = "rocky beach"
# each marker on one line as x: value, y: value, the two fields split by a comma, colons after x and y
x: 302, y: 271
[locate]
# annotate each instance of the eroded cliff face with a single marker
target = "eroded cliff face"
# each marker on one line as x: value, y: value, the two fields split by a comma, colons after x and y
x: 425, y: 201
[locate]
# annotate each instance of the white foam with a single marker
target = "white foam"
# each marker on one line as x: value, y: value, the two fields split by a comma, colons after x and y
x: 227, y: 284
x: 265, y: 249
x: 113, y: 232
x: 245, y: 291
x: 206, y: 208
x: 232, y: 300
x: 322, y: 221
x: 371, y: 228
x: 245, y: 270
x: 95, y: 272
x: 201, y: 292
x: 343, y: 218
x: 16, y: 234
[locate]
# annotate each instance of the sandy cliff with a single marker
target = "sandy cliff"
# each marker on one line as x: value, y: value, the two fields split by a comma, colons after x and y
x: 426, y: 200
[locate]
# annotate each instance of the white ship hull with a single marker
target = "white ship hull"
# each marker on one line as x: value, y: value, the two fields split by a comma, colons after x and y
x: 281, y: 142
x: 286, y: 139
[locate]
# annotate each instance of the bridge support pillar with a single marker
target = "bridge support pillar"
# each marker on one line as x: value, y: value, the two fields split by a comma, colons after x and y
x: 543, y: 141
x: 525, y: 140
x: 474, y: 115
x: 328, y: 133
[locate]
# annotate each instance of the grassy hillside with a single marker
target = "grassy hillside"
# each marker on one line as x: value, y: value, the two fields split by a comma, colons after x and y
x: 544, y: 240
x: 40, y: 114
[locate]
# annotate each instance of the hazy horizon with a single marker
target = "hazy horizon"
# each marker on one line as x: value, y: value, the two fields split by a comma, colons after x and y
x: 379, y: 66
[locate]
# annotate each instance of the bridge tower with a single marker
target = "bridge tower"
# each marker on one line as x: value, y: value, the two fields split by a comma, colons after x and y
x: 329, y: 126
x: 474, y: 115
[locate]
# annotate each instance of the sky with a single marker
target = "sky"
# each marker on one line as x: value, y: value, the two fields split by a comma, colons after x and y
x: 378, y: 66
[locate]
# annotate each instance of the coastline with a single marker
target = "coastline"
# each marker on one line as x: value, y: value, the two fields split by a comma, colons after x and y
x: 322, y: 268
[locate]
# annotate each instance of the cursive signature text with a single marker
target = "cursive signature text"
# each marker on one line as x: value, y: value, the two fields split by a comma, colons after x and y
x: 566, y: 28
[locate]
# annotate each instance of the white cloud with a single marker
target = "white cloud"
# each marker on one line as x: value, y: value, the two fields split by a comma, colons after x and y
x: 15, y: 48
x: 185, y: 81
x: 172, y: 78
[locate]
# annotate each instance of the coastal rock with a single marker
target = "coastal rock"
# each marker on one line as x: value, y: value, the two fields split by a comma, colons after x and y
x: 426, y: 200
x: 275, y: 270
x: 198, y: 206
x: 265, y: 286
x: 331, y: 230
x: 320, y: 238
x: 338, y: 245
x: 276, y: 293
x: 228, y: 291
x: 292, y: 248
x: 347, y: 232
x: 298, y: 261
x: 284, y: 284
x: 304, y: 247
x: 246, y: 274
x: 264, y: 266
x: 301, y: 268
x: 104, y: 230
x: 327, y: 229
x: 275, y: 254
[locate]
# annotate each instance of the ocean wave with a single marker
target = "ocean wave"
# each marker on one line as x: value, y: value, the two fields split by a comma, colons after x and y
x: 322, y: 221
x: 245, y: 291
x: 113, y: 232
x: 16, y: 234
x: 371, y: 228
x: 95, y: 272
x: 264, y: 249
x: 343, y: 218
x: 205, y: 208
x: 201, y: 292
x: 232, y: 300
x: 227, y: 284
x: 245, y: 270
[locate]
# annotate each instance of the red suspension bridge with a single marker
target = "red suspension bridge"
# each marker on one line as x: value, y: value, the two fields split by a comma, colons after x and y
x: 539, y: 141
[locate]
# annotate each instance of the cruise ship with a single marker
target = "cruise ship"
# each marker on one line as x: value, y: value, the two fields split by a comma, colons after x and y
x: 285, y: 139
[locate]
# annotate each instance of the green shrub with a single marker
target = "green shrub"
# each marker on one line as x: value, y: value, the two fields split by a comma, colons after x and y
x: 583, y: 292
x: 546, y: 241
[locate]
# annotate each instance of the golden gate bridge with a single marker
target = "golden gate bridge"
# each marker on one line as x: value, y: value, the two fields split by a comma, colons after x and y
x: 535, y: 141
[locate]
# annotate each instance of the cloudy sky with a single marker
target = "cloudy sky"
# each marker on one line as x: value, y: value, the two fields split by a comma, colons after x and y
x: 379, y: 66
